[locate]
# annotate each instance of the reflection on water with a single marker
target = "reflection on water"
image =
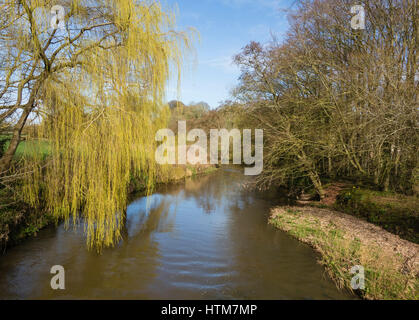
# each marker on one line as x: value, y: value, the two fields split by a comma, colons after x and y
x: 205, y: 238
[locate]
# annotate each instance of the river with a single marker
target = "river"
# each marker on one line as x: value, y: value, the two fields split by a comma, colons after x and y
x: 205, y: 238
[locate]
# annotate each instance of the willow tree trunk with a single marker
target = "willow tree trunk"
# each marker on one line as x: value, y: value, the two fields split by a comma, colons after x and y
x: 7, y: 157
x: 314, y: 177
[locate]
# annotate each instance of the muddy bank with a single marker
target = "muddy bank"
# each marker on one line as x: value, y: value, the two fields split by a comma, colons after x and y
x: 391, y: 263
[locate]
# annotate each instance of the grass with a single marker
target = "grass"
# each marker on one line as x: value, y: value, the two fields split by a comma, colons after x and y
x: 340, y: 251
x: 31, y: 148
x: 26, y: 148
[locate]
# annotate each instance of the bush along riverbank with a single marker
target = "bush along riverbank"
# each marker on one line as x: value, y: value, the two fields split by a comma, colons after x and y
x: 396, y: 213
x: 391, y: 264
x: 18, y: 221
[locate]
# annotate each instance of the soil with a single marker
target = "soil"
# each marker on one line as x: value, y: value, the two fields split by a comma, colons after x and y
x: 366, y: 232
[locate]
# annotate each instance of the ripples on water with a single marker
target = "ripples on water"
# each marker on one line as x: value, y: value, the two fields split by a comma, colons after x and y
x: 206, y: 238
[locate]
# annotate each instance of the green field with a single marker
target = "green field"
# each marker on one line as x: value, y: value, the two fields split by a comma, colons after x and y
x: 27, y: 148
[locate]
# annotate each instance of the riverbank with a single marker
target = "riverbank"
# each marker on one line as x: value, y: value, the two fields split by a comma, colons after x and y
x: 18, y: 221
x: 391, y: 264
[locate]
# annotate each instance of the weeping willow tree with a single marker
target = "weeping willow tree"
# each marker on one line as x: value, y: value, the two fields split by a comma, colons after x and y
x: 89, y: 76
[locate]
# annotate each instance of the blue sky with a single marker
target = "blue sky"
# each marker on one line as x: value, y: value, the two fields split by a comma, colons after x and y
x: 224, y: 26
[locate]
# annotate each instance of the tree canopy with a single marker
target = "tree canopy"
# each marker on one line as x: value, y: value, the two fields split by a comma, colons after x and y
x: 92, y: 87
x: 337, y: 102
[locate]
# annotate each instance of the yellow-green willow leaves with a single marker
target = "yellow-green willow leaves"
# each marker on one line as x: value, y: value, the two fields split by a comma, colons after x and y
x: 99, y: 103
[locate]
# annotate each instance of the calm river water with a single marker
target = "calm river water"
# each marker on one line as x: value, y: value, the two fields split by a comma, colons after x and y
x: 205, y: 238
